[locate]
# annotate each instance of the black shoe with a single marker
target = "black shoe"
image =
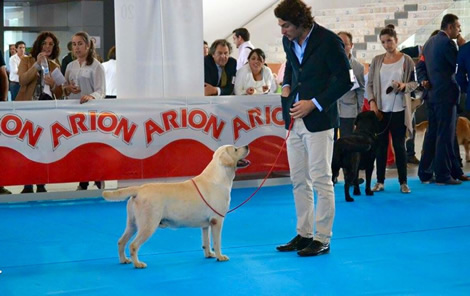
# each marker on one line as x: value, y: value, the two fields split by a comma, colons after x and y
x: 464, y: 178
x: 40, y: 188
x: 413, y: 160
x: 3, y: 190
x: 27, y: 190
x: 297, y: 243
x: 451, y: 181
x: 314, y: 249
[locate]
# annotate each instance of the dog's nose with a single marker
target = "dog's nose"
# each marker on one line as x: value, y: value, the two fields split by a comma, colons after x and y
x: 246, y: 147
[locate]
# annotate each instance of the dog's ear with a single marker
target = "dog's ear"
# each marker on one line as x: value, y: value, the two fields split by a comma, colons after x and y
x: 226, y: 159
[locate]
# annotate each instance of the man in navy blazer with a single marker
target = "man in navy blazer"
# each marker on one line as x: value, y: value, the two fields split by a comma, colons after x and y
x: 317, y: 74
x: 219, y: 69
x: 436, y: 72
x: 463, y: 71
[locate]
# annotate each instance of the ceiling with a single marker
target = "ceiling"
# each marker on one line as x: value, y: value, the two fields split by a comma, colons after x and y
x: 221, y: 17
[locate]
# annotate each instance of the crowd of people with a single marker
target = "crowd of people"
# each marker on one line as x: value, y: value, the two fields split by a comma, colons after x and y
x: 30, y: 77
x: 323, y: 88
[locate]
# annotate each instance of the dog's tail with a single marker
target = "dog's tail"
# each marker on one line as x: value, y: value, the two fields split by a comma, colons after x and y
x: 120, y: 194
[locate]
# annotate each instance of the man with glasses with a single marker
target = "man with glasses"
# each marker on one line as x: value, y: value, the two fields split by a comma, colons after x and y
x: 219, y: 69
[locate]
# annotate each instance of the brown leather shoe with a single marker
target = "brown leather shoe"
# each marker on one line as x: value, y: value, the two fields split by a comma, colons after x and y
x: 297, y: 243
x: 464, y: 178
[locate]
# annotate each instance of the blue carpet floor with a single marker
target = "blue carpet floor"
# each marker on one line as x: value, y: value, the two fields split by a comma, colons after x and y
x: 388, y: 244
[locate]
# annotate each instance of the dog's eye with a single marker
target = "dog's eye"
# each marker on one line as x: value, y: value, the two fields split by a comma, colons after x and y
x: 236, y: 149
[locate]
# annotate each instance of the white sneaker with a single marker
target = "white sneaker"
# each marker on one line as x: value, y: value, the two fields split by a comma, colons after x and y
x: 378, y: 187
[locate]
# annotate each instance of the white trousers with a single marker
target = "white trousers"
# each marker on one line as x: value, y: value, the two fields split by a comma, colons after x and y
x: 310, y: 156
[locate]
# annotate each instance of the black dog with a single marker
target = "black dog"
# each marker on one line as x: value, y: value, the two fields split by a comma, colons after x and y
x: 357, y: 152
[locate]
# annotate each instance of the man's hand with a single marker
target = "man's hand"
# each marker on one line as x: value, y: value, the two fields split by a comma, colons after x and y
x: 373, y: 107
x: 210, y: 90
x: 302, y: 108
x: 460, y: 40
x: 285, y: 91
x: 426, y: 84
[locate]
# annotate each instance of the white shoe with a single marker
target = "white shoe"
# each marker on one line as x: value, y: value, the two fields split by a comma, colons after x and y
x: 378, y: 187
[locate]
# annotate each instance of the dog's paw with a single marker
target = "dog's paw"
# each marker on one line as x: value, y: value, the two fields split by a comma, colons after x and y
x: 125, y: 261
x: 369, y: 192
x: 357, y: 192
x: 349, y: 199
x: 210, y: 255
x: 140, y: 265
x: 223, y: 258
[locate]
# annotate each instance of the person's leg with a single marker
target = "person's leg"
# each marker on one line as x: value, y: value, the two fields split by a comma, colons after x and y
x: 301, y: 182
x: 41, y: 188
x: 82, y: 186
x: 398, y: 131
x: 14, y: 88
x: 425, y: 169
x: 446, y: 115
x: 28, y: 189
x: 320, y: 153
x: 410, y: 146
x: 382, y: 147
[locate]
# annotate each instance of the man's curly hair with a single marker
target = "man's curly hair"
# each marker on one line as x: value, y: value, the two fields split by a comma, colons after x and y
x: 296, y: 12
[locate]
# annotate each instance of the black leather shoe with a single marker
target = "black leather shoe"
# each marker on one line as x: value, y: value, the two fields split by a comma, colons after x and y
x: 464, y: 178
x: 314, y: 249
x: 41, y: 188
x: 451, y: 181
x: 27, y: 189
x: 297, y: 243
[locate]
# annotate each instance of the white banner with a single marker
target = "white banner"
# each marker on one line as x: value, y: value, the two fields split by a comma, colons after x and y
x: 55, y: 136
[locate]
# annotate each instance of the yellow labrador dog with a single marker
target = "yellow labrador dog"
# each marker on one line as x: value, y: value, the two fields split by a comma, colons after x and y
x: 181, y: 205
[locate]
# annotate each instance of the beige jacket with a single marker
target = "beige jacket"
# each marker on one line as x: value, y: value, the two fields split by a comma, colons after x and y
x: 28, y: 79
x: 374, y: 89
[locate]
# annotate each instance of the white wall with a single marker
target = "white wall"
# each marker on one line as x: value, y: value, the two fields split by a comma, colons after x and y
x: 265, y: 32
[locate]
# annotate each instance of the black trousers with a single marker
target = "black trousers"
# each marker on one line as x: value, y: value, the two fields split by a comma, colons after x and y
x: 439, y: 144
x: 394, y: 123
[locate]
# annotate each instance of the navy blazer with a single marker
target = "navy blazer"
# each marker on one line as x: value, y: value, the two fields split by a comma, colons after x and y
x: 211, y: 74
x: 463, y: 72
x: 437, y: 65
x: 323, y: 75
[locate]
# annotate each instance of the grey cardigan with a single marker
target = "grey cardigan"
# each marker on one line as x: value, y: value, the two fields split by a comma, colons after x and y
x: 374, y: 89
x: 350, y: 104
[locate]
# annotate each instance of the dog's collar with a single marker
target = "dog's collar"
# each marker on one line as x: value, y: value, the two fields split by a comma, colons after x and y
x: 205, y: 201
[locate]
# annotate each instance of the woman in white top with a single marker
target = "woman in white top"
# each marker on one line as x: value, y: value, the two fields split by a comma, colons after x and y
x: 391, y: 80
x: 85, y: 75
x: 110, y: 73
x: 85, y: 78
x: 254, y: 77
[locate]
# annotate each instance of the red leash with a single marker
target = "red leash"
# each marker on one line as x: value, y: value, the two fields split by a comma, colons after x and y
x: 259, y: 187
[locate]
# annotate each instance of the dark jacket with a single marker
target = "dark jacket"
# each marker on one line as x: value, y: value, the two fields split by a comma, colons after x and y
x: 437, y: 65
x: 323, y: 75
x: 211, y: 74
x: 463, y: 72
